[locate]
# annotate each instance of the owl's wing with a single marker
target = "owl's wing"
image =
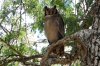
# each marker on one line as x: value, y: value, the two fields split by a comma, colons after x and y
x: 61, y: 29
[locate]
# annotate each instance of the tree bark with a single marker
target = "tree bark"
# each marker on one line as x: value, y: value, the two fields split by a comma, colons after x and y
x: 93, y: 41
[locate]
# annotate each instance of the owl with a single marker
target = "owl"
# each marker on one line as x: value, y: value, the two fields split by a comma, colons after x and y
x: 54, y: 28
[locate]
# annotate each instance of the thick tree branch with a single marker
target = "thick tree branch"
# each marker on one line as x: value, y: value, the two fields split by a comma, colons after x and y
x: 52, y: 59
x: 82, y: 49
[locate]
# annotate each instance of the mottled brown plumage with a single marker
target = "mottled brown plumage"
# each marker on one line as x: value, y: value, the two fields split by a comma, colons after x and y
x: 54, y: 28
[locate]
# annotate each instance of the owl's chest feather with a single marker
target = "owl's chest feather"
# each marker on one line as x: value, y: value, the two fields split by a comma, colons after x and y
x: 51, y: 29
x: 51, y: 25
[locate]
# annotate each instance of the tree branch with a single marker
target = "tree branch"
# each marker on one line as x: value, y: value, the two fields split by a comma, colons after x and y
x: 82, y: 48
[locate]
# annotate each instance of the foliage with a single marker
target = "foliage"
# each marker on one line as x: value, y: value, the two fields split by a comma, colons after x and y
x: 14, y: 28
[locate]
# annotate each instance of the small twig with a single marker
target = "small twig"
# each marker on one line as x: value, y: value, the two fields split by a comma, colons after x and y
x: 4, y: 29
x: 11, y: 47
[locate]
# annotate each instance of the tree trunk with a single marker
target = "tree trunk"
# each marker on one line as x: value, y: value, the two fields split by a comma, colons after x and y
x: 93, y: 42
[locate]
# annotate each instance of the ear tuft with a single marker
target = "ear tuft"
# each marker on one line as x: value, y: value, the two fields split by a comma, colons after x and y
x: 45, y: 7
x: 45, y: 10
x: 54, y: 7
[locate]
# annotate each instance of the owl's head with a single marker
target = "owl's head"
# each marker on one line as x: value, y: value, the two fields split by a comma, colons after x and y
x: 50, y: 11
